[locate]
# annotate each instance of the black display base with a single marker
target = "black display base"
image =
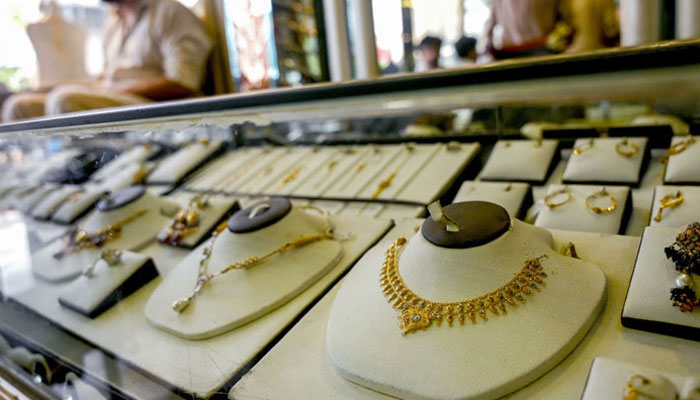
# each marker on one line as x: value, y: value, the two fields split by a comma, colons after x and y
x: 136, y: 281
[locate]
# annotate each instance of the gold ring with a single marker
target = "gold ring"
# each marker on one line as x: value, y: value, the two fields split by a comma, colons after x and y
x: 580, y: 149
x: 668, y: 201
x: 632, y: 149
x: 549, y: 197
x: 598, y: 210
x: 677, y: 148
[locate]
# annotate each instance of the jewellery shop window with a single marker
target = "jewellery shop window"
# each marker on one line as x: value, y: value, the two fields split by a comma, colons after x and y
x: 383, y: 246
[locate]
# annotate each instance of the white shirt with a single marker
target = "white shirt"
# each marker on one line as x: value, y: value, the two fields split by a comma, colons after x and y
x: 165, y: 41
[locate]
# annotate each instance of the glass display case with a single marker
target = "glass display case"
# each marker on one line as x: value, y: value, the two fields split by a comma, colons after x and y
x: 513, y: 229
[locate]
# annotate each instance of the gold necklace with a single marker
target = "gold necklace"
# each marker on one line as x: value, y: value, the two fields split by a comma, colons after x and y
x: 186, y: 221
x: 387, y: 182
x: 83, y: 239
x: 417, y: 313
x: 204, y: 277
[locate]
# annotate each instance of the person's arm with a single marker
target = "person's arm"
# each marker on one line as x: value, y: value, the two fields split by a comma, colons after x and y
x: 160, y: 89
x: 488, y: 31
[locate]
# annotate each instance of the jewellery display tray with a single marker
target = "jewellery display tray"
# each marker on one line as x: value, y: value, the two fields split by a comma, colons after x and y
x: 648, y: 306
x: 602, y: 165
x: 515, y: 197
x: 608, y: 378
x: 300, y: 356
x: 177, y: 166
x: 528, y: 161
x: 91, y: 296
x: 574, y: 215
x: 203, y: 365
x: 684, y: 168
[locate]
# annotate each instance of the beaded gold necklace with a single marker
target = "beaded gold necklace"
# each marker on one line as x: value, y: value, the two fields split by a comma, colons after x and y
x: 417, y: 313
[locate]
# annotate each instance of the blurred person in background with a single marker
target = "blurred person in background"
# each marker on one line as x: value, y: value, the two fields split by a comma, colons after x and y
x: 429, y: 51
x: 519, y: 28
x: 465, y: 48
x: 153, y: 49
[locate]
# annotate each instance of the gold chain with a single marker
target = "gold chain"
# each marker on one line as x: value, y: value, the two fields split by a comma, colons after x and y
x: 81, y: 239
x: 387, y: 182
x: 417, y: 313
x: 204, y: 277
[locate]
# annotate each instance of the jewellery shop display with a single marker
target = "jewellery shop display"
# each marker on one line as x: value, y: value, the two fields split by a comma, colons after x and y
x: 668, y: 201
x: 80, y: 239
x: 204, y: 277
x: 585, y: 147
x: 417, y: 313
x: 678, y: 148
x: 685, y: 253
x: 599, y: 210
x: 548, y: 198
x: 626, y: 148
x: 186, y: 221
x: 112, y: 257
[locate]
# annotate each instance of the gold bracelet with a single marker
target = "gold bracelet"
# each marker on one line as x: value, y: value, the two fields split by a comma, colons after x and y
x: 620, y: 148
x: 668, y: 201
x: 580, y: 149
x: 549, y: 197
x: 598, y: 210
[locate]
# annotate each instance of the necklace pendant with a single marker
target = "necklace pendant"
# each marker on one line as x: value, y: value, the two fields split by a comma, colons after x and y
x: 413, y: 320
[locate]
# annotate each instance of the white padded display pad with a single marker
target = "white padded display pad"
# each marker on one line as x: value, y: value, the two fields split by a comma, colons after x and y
x: 198, y: 367
x: 88, y: 293
x: 262, y: 180
x: 239, y: 297
x: 70, y: 210
x: 654, y: 276
x: 683, y: 214
x: 608, y: 379
x: 135, y: 155
x: 345, y: 159
x: 520, y: 160
x: 602, y: 163
x: 178, y: 164
x: 507, y: 195
x: 684, y: 167
x: 426, y: 364
x: 216, y: 208
x: 300, y: 360
x: 228, y: 171
x: 574, y: 215
x: 28, y: 202
x: 134, y: 235
x: 49, y: 204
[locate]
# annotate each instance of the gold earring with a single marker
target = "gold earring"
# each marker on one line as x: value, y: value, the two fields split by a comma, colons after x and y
x: 626, y: 148
x: 548, y: 198
x: 599, y: 210
x: 585, y: 147
x: 668, y: 201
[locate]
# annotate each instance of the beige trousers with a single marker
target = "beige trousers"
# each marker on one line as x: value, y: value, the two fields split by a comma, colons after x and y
x: 64, y: 99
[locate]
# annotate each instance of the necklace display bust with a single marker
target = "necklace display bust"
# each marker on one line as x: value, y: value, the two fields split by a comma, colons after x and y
x: 486, y: 360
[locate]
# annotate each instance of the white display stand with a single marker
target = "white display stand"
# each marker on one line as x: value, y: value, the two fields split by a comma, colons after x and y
x: 134, y: 235
x: 346, y: 160
x: 510, y: 196
x: 575, y: 216
x: 365, y: 170
x: 199, y: 368
x: 108, y: 285
x: 684, y: 167
x: 27, y: 203
x: 647, y: 306
x: 14, y: 199
x: 602, y: 164
x: 217, y: 207
x: 179, y: 164
x: 70, y: 210
x: 50, y: 203
x: 262, y: 181
x: 315, y: 165
x: 683, y: 214
x: 241, y: 296
x: 225, y: 172
x: 300, y: 357
x: 135, y: 155
x: 126, y: 176
x: 608, y: 378
x: 520, y: 160
x: 428, y: 364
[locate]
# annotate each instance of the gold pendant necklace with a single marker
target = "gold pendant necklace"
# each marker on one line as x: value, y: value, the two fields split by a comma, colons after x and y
x: 387, y: 182
x: 187, y: 220
x: 417, y: 313
x: 81, y: 239
x: 204, y: 277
